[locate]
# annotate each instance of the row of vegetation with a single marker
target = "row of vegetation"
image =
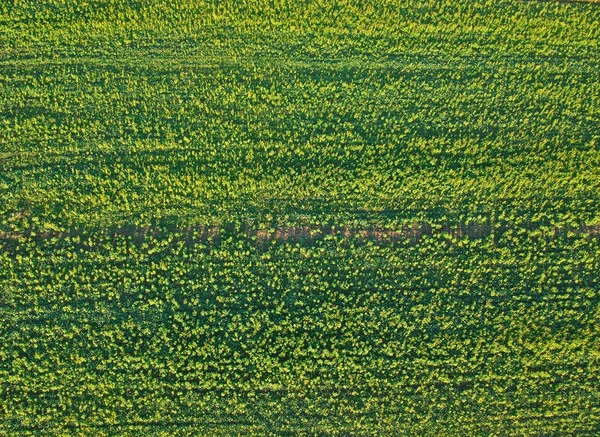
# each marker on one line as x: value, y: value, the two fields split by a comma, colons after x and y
x: 313, y: 217
x: 100, y: 335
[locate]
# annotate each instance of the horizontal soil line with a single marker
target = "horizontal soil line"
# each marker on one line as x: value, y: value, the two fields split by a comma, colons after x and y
x: 214, y: 235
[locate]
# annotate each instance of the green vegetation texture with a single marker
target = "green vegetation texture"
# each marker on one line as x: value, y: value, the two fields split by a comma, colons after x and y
x: 294, y: 218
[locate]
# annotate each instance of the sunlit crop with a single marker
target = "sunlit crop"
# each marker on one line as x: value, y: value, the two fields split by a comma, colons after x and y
x: 328, y: 217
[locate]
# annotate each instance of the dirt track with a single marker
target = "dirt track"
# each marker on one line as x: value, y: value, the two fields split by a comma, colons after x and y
x: 215, y: 234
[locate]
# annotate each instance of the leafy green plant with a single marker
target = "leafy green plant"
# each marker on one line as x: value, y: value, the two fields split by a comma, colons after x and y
x: 299, y: 218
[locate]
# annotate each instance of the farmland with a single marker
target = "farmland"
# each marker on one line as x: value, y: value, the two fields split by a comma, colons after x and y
x: 299, y: 218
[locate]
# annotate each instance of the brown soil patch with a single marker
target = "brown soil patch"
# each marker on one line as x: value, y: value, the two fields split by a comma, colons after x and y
x: 214, y: 234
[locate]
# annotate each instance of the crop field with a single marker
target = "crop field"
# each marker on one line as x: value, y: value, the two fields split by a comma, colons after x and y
x: 298, y: 218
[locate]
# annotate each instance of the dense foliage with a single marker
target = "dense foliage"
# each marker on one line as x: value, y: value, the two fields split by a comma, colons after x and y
x: 126, y: 126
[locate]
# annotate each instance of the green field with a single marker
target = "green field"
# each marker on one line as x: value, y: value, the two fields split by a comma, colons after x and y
x: 296, y: 218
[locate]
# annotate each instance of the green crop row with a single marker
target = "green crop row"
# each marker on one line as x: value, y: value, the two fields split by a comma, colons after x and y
x: 310, y: 217
x: 102, y: 145
x: 477, y: 337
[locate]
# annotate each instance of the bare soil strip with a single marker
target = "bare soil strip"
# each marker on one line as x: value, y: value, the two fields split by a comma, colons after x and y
x: 260, y: 237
